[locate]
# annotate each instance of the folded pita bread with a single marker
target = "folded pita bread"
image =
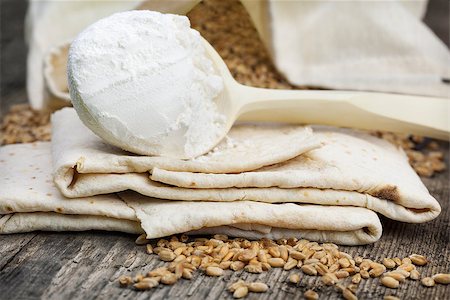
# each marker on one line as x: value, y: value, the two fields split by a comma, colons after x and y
x: 29, y: 201
x: 348, y: 225
x: 351, y: 169
x: 48, y: 221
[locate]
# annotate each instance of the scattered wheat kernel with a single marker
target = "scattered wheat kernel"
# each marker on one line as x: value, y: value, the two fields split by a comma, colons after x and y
x: 246, y: 255
x: 321, y: 269
x: 294, y: 278
x: 255, y: 269
x: 356, y: 278
x: 240, y: 292
x: 257, y: 287
x: 166, y: 255
x: 276, y: 262
x: 377, y: 271
x: 149, y: 249
x: 214, y: 271
x: 407, y: 267
x: 389, y: 263
x: 142, y: 285
x: 406, y: 274
x: 390, y: 297
x: 344, y: 262
x: 221, y: 237
x: 348, y: 295
x: 125, y: 280
x: 237, y: 265
x: 414, y: 275
x: 442, y: 278
x: 389, y: 282
x: 142, y: 240
x: 309, y: 270
x: 341, y: 274
x: 187, y: 274
x: 284, y: 254
x: 311, y: 295
x: 358, y: 260
x: 138, y: 277
x: 234, y: 286
x: 169, y: 278
x: 418, y: 260
x: 333, y: 268
x: 365, y: 265
x: 290, y: 264
x: 297, y: 255
x: 328, y: 279
x: 427, y: 281
x: 397, y: 261
x: 406, y: 261
x: 364, y: 274
x: 397, y: 276
x: 353, y: 288
x: 274, y: 251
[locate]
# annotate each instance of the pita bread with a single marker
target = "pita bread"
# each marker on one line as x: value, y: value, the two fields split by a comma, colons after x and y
x: 28, y: 186
x: 29, y: 202
x: 48, y: 221
x: 75, y: 145
x: 351, y: 169
x: 349, y: 225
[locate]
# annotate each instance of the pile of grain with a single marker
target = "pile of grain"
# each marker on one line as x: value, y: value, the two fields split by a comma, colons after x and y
x: 301, y: 257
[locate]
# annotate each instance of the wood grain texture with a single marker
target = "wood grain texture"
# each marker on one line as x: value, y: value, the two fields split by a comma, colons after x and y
x: 86, y: 265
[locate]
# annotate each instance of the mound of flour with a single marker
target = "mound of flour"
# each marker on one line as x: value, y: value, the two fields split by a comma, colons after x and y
x: 141, y: 80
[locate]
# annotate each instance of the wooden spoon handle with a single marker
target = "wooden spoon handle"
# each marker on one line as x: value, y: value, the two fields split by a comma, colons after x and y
x: 426, y: 116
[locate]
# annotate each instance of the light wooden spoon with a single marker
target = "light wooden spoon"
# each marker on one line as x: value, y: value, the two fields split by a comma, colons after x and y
x: 426, y: 116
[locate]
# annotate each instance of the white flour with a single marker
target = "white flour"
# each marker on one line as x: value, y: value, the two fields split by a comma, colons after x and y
x: 141, y: 80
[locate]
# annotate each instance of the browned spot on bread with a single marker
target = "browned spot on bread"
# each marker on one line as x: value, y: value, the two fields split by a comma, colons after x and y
x: 9, y: 208
x: 49, y: 194
x: 388, y: 192
x: 59, y: 209
x: 419, y: 210
x: 193, y: 183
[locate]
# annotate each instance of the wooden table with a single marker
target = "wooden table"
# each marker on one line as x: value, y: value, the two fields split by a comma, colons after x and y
x: 86, y: 265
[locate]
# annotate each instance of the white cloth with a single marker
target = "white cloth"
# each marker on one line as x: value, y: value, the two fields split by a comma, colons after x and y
x: 357, y: 45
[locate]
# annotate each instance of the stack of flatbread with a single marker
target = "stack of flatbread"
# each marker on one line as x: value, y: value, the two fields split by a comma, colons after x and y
x: 273, y: 181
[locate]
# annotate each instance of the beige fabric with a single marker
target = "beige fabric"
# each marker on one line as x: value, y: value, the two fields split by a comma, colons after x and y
x: 343, y: 225
x: 351, y: 169
x: 354, y: 45
x: 29, y: 201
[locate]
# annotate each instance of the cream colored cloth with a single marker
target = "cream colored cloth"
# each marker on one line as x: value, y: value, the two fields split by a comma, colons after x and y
x: 29, y: 202
x: 350, y: 170
x: 357, y: 45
